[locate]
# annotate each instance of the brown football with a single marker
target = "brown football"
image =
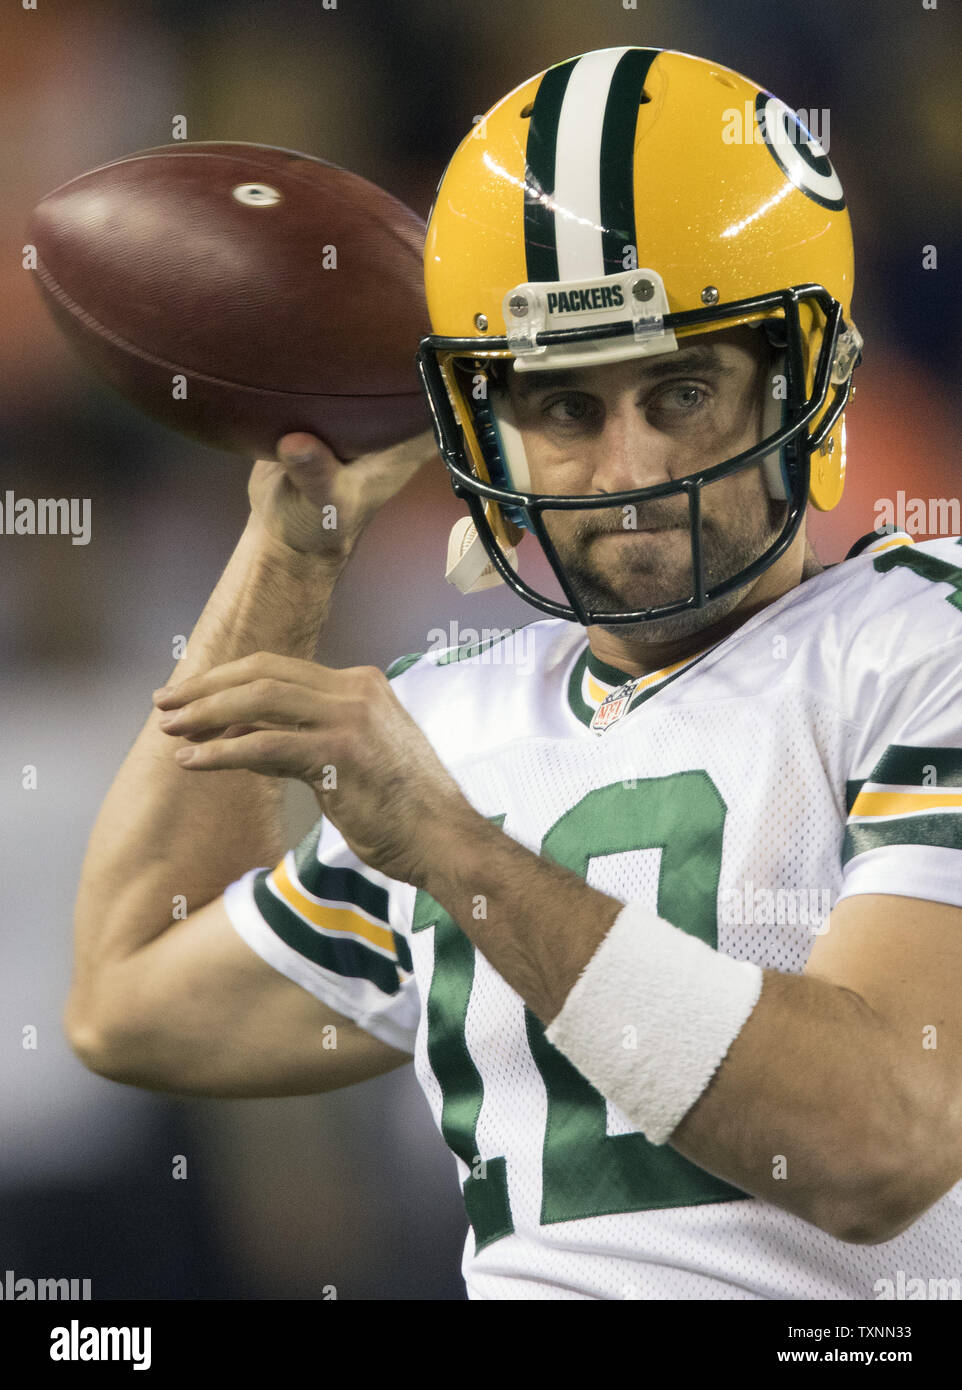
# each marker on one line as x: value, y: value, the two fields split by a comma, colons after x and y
x: 237, y: 292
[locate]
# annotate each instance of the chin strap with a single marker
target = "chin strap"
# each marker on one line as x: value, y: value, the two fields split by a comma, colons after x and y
x: 468, y: 567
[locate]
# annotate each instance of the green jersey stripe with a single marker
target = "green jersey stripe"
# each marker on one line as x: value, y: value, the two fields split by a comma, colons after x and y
x: 941, y: 832
x: 343, y: 956
x: 401, y: 664
x: 928, y: 566
x: 904, y: 766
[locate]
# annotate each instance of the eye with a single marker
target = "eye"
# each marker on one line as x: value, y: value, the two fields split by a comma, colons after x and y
x: 569, y: 410
x: 680, y: 400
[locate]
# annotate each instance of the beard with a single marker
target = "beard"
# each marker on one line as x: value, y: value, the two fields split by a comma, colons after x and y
x: 658, y: 573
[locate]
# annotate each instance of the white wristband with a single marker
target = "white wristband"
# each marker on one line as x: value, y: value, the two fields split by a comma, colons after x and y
x: 651, y: 1018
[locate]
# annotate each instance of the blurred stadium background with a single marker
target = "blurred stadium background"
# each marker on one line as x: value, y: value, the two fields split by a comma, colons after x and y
x: 354, y: 1189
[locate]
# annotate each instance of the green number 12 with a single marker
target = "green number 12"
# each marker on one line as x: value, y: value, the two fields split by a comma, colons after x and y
x: 586, y: 1172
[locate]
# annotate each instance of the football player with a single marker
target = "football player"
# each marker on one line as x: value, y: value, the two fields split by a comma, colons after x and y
x: 670, y: 920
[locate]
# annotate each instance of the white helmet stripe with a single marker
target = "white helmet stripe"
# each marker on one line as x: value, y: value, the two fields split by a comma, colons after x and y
x: 578, y: 165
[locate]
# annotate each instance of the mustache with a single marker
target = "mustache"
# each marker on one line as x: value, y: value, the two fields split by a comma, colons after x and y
x: 587, y: 530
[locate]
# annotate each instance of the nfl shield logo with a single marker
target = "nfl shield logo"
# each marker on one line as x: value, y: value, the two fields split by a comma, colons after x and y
x: 612, y: 707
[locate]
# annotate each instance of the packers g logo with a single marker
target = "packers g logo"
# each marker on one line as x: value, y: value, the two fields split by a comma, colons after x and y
x: 797, y: 153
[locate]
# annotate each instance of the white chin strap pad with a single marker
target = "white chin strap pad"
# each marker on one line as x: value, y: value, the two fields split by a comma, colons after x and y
x: 773, y: 415
x: 509, y: 437
x: 468, y: 566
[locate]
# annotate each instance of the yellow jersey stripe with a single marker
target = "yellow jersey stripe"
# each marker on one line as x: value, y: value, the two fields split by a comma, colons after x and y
x: 598, y: 692
x: 341, y: 919
x: 887, y: 545
x: 900, y: 803
x: 665, y: 671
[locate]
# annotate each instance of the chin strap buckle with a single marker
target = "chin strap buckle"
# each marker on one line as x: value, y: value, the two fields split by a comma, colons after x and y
x: 848, y: 354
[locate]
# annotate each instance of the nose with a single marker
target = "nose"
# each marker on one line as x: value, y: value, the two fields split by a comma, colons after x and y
x: 629, y: 452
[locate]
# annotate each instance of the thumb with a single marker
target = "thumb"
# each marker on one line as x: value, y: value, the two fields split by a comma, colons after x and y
x: 306, y: 460
x: 300, y: 447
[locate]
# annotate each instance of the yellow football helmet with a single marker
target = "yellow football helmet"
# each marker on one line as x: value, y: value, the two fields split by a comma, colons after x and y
x: 607, y: 208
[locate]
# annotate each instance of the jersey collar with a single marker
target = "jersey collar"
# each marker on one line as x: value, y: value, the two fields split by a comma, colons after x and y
x: 592, y: 681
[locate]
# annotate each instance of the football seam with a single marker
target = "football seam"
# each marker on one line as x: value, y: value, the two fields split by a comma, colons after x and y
x: 87, y: 319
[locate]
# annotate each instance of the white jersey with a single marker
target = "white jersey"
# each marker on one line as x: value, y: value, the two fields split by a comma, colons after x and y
x: 814, y: 753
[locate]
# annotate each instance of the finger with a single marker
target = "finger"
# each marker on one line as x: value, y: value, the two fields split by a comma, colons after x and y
x: 269, y: 665
x: 305, y: 459
x: 298, y: 447
x: 234, y: 731
x: 403, y: 460
x: 329, y: 680
x: 413, y: 452
x: 301, y: 447
x: 262, y: 701
x: 272, y: 753
x: 201, y: 738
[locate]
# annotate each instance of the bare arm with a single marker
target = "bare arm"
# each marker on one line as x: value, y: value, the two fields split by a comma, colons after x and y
x: 147, y: 984
x: 160, y: 836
